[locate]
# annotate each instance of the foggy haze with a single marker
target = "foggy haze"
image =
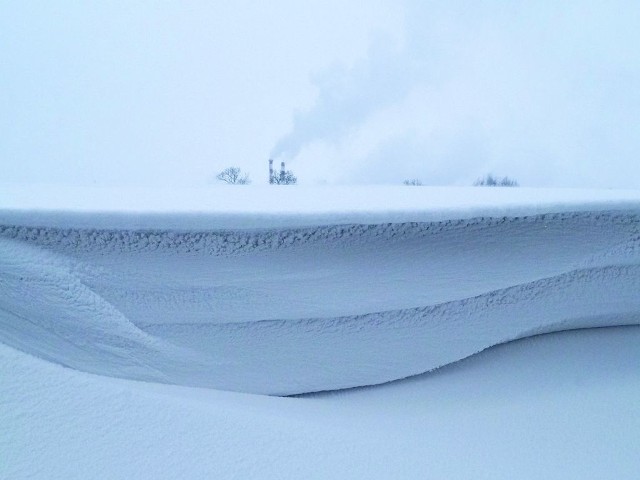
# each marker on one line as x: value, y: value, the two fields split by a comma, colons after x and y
x: 167, y: 94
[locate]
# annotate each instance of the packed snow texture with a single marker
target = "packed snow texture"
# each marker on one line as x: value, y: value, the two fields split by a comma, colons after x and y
x: 284, y: 310
x: 146, y: 307
x: 554, y: 407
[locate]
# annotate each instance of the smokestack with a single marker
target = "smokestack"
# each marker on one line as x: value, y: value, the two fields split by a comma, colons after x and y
x: 271, y: 170
x: 282, y: 172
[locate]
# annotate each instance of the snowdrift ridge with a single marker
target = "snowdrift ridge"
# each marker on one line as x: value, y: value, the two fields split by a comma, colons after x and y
x: 289, y: 310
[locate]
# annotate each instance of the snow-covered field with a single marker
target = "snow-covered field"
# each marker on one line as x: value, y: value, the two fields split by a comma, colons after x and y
x: 140, y: 332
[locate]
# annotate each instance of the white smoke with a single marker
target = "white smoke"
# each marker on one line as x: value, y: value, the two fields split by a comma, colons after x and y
x: 545, y: 92
x: 348, y: 96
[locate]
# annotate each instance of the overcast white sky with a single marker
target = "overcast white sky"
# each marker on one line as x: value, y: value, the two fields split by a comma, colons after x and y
x: 160, y: 93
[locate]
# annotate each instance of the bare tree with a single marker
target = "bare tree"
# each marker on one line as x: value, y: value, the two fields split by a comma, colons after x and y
x: 492, y: 181
x: 234, y: 176
x: 414, y: 182
x: 284, y: 178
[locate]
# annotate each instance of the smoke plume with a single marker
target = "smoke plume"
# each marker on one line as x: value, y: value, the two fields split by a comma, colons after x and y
x: 542, y: 91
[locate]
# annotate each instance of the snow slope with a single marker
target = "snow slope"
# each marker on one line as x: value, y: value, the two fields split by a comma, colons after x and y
x: 558, y: 406
x: 118, y: 307
x: 293, y: 309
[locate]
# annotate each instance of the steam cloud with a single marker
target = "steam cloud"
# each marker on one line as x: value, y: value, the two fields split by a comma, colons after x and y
x: 347, y: 97
x: 545, y: 92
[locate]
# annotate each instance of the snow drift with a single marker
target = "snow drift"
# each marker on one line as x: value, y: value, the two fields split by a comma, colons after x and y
x: 303, y: 301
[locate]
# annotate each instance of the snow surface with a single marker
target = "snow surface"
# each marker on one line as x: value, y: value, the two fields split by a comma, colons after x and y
x: 558, y: 406
x: 286, y: 291
x: 241, y: 206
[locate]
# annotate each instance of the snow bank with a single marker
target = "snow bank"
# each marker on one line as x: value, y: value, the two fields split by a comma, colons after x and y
x: 287, y: 291
x: 282, y: 292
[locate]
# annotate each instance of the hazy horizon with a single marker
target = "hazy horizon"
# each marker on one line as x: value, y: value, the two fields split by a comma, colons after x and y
x: 148, y: 94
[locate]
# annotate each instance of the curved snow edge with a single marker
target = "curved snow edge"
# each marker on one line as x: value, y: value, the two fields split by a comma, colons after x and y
x: 208, y: 220
x: 336, y: 353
